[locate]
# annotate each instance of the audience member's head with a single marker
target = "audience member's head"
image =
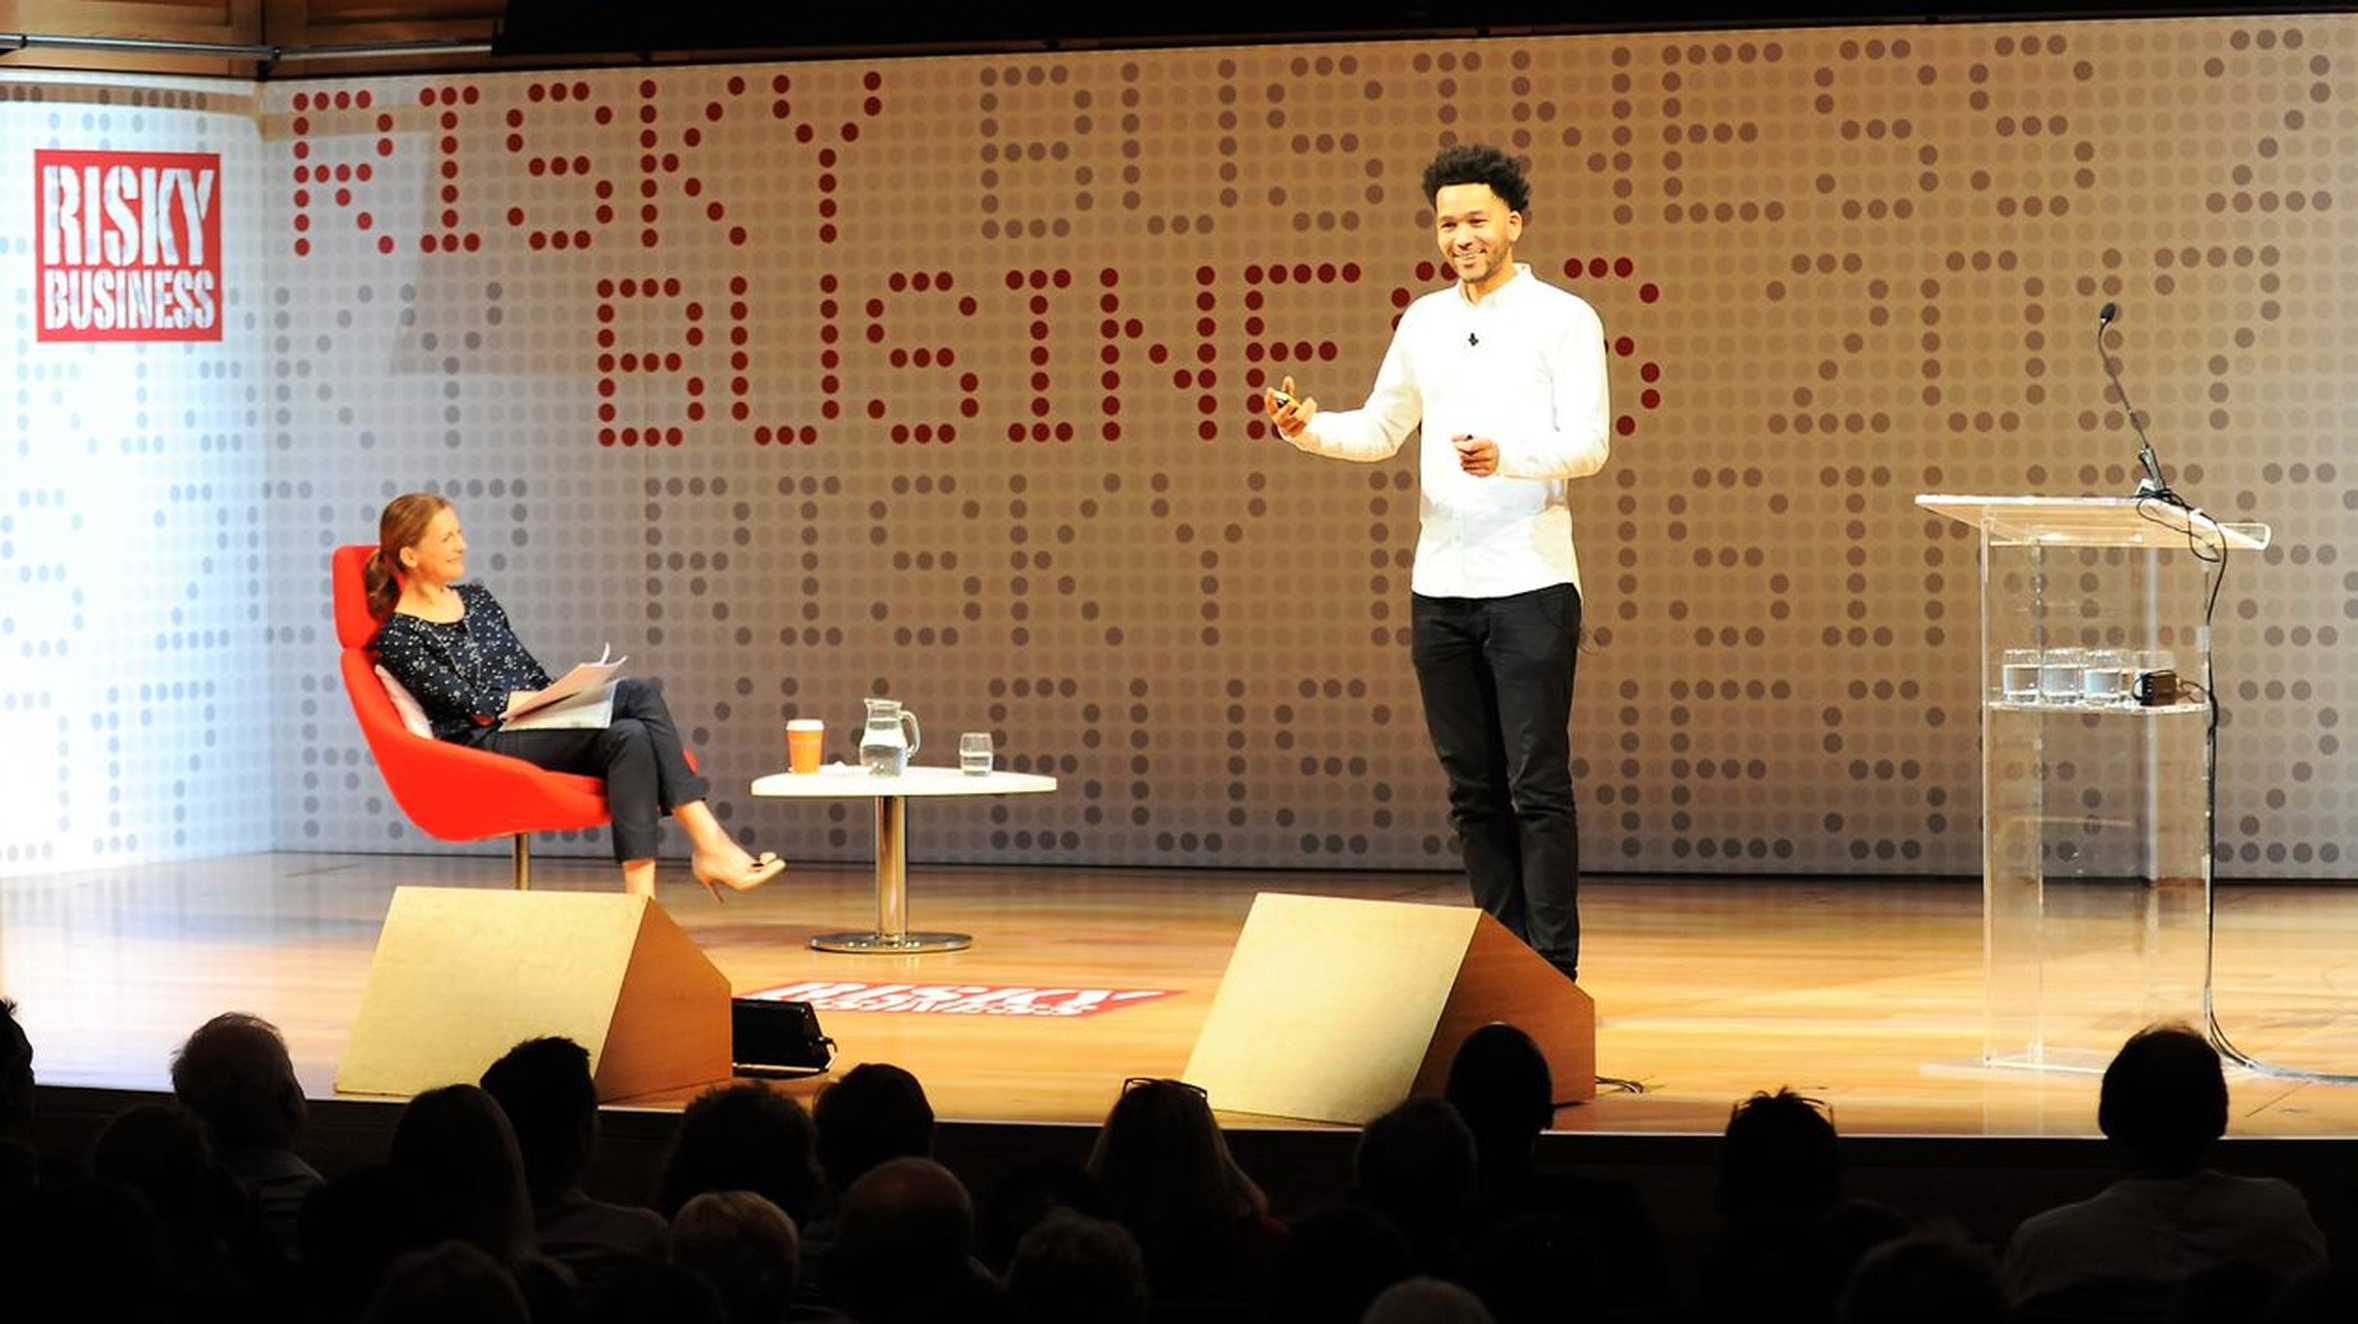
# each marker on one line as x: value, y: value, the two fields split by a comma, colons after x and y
x: 1427, y: 1301
x: 352, y: 1230
x: 639, y: 1292
x: 904, y: 1233
x: 453, y: 1283
x: 16, y: 1073
x: 745, y: 1247
x: 235, y: 1074
x: 544, y: 1087
x: 159, y: 1150
x: 1165, y: 1167
x: 1779, y: 1158
x: 2164, y: 1099
x: 743, y: 1137
x: 455, y: 1145
x: 1336, y: 1262
x: 1024, y: 1198
x: 876, y: 1112
x: 94, y: 1249
x: 1929, y: 1278
x: 1415, y: 1165
x: 1500, y: 1084
x: 1073, y: 1269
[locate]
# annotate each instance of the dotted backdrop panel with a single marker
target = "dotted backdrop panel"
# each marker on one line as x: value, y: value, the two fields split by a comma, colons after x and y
x: 134, y: 625
x: 934, y: 378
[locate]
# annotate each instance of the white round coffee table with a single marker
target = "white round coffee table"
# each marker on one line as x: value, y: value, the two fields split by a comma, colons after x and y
x: 841, y: 782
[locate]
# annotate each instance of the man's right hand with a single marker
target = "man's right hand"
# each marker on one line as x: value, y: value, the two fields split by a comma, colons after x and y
x: 1290, y: 417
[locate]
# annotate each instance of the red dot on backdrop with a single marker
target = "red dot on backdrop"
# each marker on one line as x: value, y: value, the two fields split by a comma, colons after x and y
x: 302, y: 174
x: 1624, y: 346
x: 302, y: 248
x: 1648, y: 293
x: 362, y: 172
x: 302, y: 101
x: 535, y: 92
x: 1208, y: 430
x: 302, y: 150
x: 1625, y: 425
x: 538, y: 240
x: 1650, y: 399
x: 302, y: 125
x: 364, y: 220
x: 761, y: 436
x: 1652, y: 372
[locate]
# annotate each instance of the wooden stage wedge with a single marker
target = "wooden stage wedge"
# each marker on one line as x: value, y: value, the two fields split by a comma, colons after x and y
x: 461, y: 976
x: 1335, y: 1009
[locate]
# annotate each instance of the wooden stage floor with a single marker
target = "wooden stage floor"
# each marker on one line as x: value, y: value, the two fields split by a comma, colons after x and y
x: 1865, y: 994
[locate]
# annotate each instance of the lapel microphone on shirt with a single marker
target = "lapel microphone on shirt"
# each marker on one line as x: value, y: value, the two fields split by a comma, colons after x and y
x: 1473, y: 339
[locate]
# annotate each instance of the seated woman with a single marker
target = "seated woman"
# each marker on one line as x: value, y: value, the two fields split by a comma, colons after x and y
x: 451, y: 646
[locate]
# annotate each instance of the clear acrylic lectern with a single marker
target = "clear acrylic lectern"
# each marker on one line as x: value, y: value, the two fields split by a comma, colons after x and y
x: 2096, y: 867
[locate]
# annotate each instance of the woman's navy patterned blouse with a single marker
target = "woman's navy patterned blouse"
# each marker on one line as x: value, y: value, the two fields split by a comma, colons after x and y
x: 461, y: 671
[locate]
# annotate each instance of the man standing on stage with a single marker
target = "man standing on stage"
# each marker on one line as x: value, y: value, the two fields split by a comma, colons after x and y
x: 1506, y: 376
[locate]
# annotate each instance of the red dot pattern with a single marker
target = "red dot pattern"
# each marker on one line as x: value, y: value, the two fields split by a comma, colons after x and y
x: 905, y: 287
x: 1262, y: 348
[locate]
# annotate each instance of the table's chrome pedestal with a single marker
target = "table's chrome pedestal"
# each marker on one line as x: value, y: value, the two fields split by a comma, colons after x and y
x: 891, y: 935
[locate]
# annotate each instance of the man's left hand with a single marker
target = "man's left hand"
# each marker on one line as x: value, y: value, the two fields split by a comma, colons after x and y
x: 1478, y: 456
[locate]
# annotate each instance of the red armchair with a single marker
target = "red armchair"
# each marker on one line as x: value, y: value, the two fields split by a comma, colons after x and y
x: 451, y: 792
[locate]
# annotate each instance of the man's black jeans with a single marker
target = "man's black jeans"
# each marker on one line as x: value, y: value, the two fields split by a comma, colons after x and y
x: 1496, y: 675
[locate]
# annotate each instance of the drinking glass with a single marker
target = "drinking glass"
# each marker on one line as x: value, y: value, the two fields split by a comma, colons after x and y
x: 2104, y: 679
x: 2018, y: 675
x: 2060, y: 676
x: 974, y: 753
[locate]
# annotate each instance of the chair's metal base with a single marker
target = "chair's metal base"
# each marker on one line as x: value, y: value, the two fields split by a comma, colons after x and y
x: 886, y: 945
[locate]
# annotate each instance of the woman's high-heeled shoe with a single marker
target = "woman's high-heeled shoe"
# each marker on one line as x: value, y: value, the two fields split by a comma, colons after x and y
x: 764, y: 869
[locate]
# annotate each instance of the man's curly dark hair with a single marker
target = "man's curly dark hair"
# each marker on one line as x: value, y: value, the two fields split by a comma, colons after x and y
x: 1478, y: 163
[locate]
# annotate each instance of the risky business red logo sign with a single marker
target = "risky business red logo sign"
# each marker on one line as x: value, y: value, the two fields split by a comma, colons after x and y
x: 959, y: 999
x: 129, y: 245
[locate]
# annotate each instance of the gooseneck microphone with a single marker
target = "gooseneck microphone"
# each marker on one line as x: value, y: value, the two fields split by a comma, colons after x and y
x: 2152, y: 484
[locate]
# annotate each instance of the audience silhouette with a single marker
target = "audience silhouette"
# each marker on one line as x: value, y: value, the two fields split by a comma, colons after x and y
x: 1203, y: 1225
x: 234, y: 1073
x: 2137, y: 1243
x: 202, y: 1209
x: 544, y: 1087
